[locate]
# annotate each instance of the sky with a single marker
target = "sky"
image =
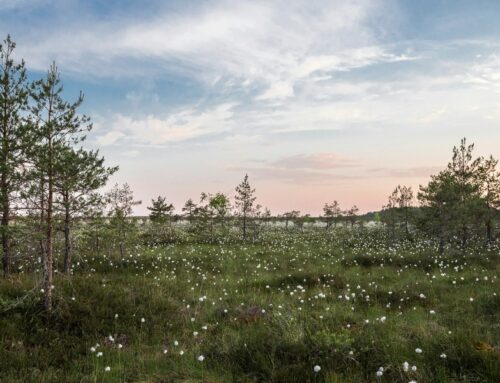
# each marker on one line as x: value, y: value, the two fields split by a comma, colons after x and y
x: 316, y: 100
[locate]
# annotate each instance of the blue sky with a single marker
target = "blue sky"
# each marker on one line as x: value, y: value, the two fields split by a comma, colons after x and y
x: 315, y: 100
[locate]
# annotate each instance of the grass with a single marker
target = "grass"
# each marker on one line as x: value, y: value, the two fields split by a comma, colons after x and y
x: 264, y: 312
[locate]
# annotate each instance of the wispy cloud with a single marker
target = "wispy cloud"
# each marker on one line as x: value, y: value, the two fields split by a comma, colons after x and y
x: 182, y: 125
x: 248, y: 39
x: 485, y: 73
x: 293, y: 176
x: 317, y: 168
x: 318, y: 161
x: 410, y: 172
x: 327, y: 168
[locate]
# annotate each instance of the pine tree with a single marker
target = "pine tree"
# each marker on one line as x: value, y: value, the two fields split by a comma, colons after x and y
x: 220, y: 206
x: 80, y: 174
x: 121, y: 202
x: 160, y: 210
x: 438, y: 200
x: 331, y: 212
x: 397, y: 210
x: 405, y: 199
x: 490, y: 193
x: 13, y: 103
x: 189, y: 209
x: 389, y: 212
x: 54, y: 125
x: 94, y: 216
x: 244, y: 200
x: 452, y: 201
x: 466, y: 173
x: 352, y: 215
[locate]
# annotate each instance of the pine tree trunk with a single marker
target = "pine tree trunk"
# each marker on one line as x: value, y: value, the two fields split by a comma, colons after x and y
x: 406, y: 223
x: 97, y: 242
x: 67, y: 240
x: 122, y: 251
x: 42, y: 220
x: 489, y: 231
x: 212, y: 229
x: 5, y: 189
x: 5, y: 226
x: 441, y: 240
x: 244, y: 226
x: 441, y: 245
x: 464, y: 236
x: 49, y: 261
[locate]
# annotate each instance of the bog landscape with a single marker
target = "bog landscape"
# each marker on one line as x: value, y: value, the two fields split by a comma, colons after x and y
x: 387, y: 274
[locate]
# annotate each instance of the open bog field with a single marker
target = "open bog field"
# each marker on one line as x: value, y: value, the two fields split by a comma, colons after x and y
x: 249, y: 191
x: 337, y: 306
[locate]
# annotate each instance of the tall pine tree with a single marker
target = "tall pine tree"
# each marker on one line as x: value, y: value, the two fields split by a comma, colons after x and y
x: 13, y: 102
x: 55, y: 125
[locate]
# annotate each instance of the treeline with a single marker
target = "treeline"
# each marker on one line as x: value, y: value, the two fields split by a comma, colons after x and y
x: 460, y: 203
x: 212, y: 218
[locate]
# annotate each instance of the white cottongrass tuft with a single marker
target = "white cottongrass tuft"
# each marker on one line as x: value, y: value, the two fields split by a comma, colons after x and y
x: 380, y: 371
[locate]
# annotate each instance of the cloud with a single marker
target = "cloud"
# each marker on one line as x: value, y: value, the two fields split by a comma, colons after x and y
x: 131, y: 153
x: 255, y: 53
x: 110, y: 138
x: 278, y: 90
x: 179, y: 126
x: 318, y: 161
x: 411, y: 172
x: 485, y: 74
x: 348, y: 59
x: 293, y: 176
x: 327, y: 168
x: 249, y: 40
x: 317, y: 168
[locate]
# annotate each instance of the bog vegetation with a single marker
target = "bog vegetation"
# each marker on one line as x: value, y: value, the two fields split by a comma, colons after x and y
x: 221, y: 290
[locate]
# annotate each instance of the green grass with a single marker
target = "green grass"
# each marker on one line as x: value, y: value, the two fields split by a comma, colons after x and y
x: 265, y: 312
